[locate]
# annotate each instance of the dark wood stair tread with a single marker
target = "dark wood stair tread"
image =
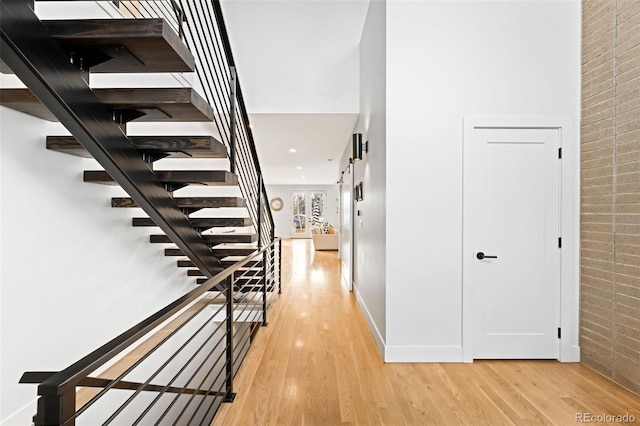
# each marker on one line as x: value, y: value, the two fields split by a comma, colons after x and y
x: 220, y: 250
x: 136, y: 45
x: 226, y: 262
x: 173, y: 252
x: 189, y: 202
x: 231, y: 237
x: 174, y: 146
x: 185, y: 263
x: 223, y: 250
x: 200, y: 177
x: 232, y: 260
x: 248, y: 273
x: 202, y: 222
x: 159, y: 104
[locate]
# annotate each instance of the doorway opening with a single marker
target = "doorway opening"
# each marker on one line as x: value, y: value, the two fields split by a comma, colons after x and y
x: 308, y: 210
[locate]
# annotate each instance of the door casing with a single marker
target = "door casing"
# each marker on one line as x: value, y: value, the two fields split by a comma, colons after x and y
x: 346, y: 227
x: 308, y: 211
x: 569, y: 225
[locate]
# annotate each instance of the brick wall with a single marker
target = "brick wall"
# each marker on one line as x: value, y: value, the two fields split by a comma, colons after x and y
x: 610, y: 195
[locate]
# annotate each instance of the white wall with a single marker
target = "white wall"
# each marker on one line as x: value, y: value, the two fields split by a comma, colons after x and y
x: 282, y: 218
x: 74, y: 272
x: 446, y: 60
x: 370, y: 228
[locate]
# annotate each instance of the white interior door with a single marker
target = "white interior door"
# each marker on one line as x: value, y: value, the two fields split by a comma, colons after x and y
x: 512, y: 219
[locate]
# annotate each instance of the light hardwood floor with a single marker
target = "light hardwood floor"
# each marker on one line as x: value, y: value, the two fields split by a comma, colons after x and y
x: 316, y: 364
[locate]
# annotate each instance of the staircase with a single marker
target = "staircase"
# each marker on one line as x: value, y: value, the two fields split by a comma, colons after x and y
x: 226, y: 254
x: 144, y: 46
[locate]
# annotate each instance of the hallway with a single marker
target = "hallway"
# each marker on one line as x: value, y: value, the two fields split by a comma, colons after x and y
x: 316, y: 363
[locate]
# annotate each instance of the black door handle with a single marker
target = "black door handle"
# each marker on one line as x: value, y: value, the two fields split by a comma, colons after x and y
x: 481, y: 256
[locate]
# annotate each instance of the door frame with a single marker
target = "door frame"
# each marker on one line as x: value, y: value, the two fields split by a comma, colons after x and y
x: 307, y: 233
x: 347, y: 238
x: 569, y: 210
x: 308, y: 207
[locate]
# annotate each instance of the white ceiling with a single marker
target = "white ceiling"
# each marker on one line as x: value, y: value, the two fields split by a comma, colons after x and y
x: 319, y: 140
x: 298, y: 66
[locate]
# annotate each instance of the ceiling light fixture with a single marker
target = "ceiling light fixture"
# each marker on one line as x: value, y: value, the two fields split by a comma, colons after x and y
x: 299, y: 167
x: 292, y: 150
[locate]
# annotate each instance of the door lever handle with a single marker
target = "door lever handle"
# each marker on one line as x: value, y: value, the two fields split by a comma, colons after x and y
x: 481, y: 256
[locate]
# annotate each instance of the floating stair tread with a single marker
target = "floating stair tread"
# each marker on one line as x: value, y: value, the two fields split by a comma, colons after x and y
x: 202, y: 222
x: 200, y: 177
x: 232, y: 260
x: 251, y: 274
x: 217, y: 251
x: 231, y: 237
x: 234, y: 237
x: 210, y: 222
x: 173, y: 252
x: 226, y: 262
x: 159, y: 104
x: 189, y: 202
x: 186, y: 263
x: 223, y: 250
x: 174, y: 146
x: 136, y: 45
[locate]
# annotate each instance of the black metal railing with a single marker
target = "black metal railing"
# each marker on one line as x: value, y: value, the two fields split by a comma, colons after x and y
x: 201, y: 25
x: 176, y: 366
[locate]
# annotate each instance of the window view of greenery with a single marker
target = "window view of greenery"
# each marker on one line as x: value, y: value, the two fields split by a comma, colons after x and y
x: 299, y: 209
x: 315, y: 213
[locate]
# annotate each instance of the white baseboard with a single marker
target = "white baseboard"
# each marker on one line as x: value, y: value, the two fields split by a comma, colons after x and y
x: 570, y: 354
x: 377, y: 336
x: 434, y: 353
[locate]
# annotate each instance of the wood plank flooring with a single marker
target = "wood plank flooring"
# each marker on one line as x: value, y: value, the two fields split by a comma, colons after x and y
x: 317, y: 364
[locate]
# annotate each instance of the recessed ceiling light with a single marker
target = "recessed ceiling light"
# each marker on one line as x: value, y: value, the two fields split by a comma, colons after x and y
x: 330, y: 159
x: 292, y: 150
x: 299, y: 167
x: 301, y: 177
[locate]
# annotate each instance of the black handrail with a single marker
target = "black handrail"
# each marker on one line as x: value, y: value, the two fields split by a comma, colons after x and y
x: 55, y: 387
x: 73, y: 374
